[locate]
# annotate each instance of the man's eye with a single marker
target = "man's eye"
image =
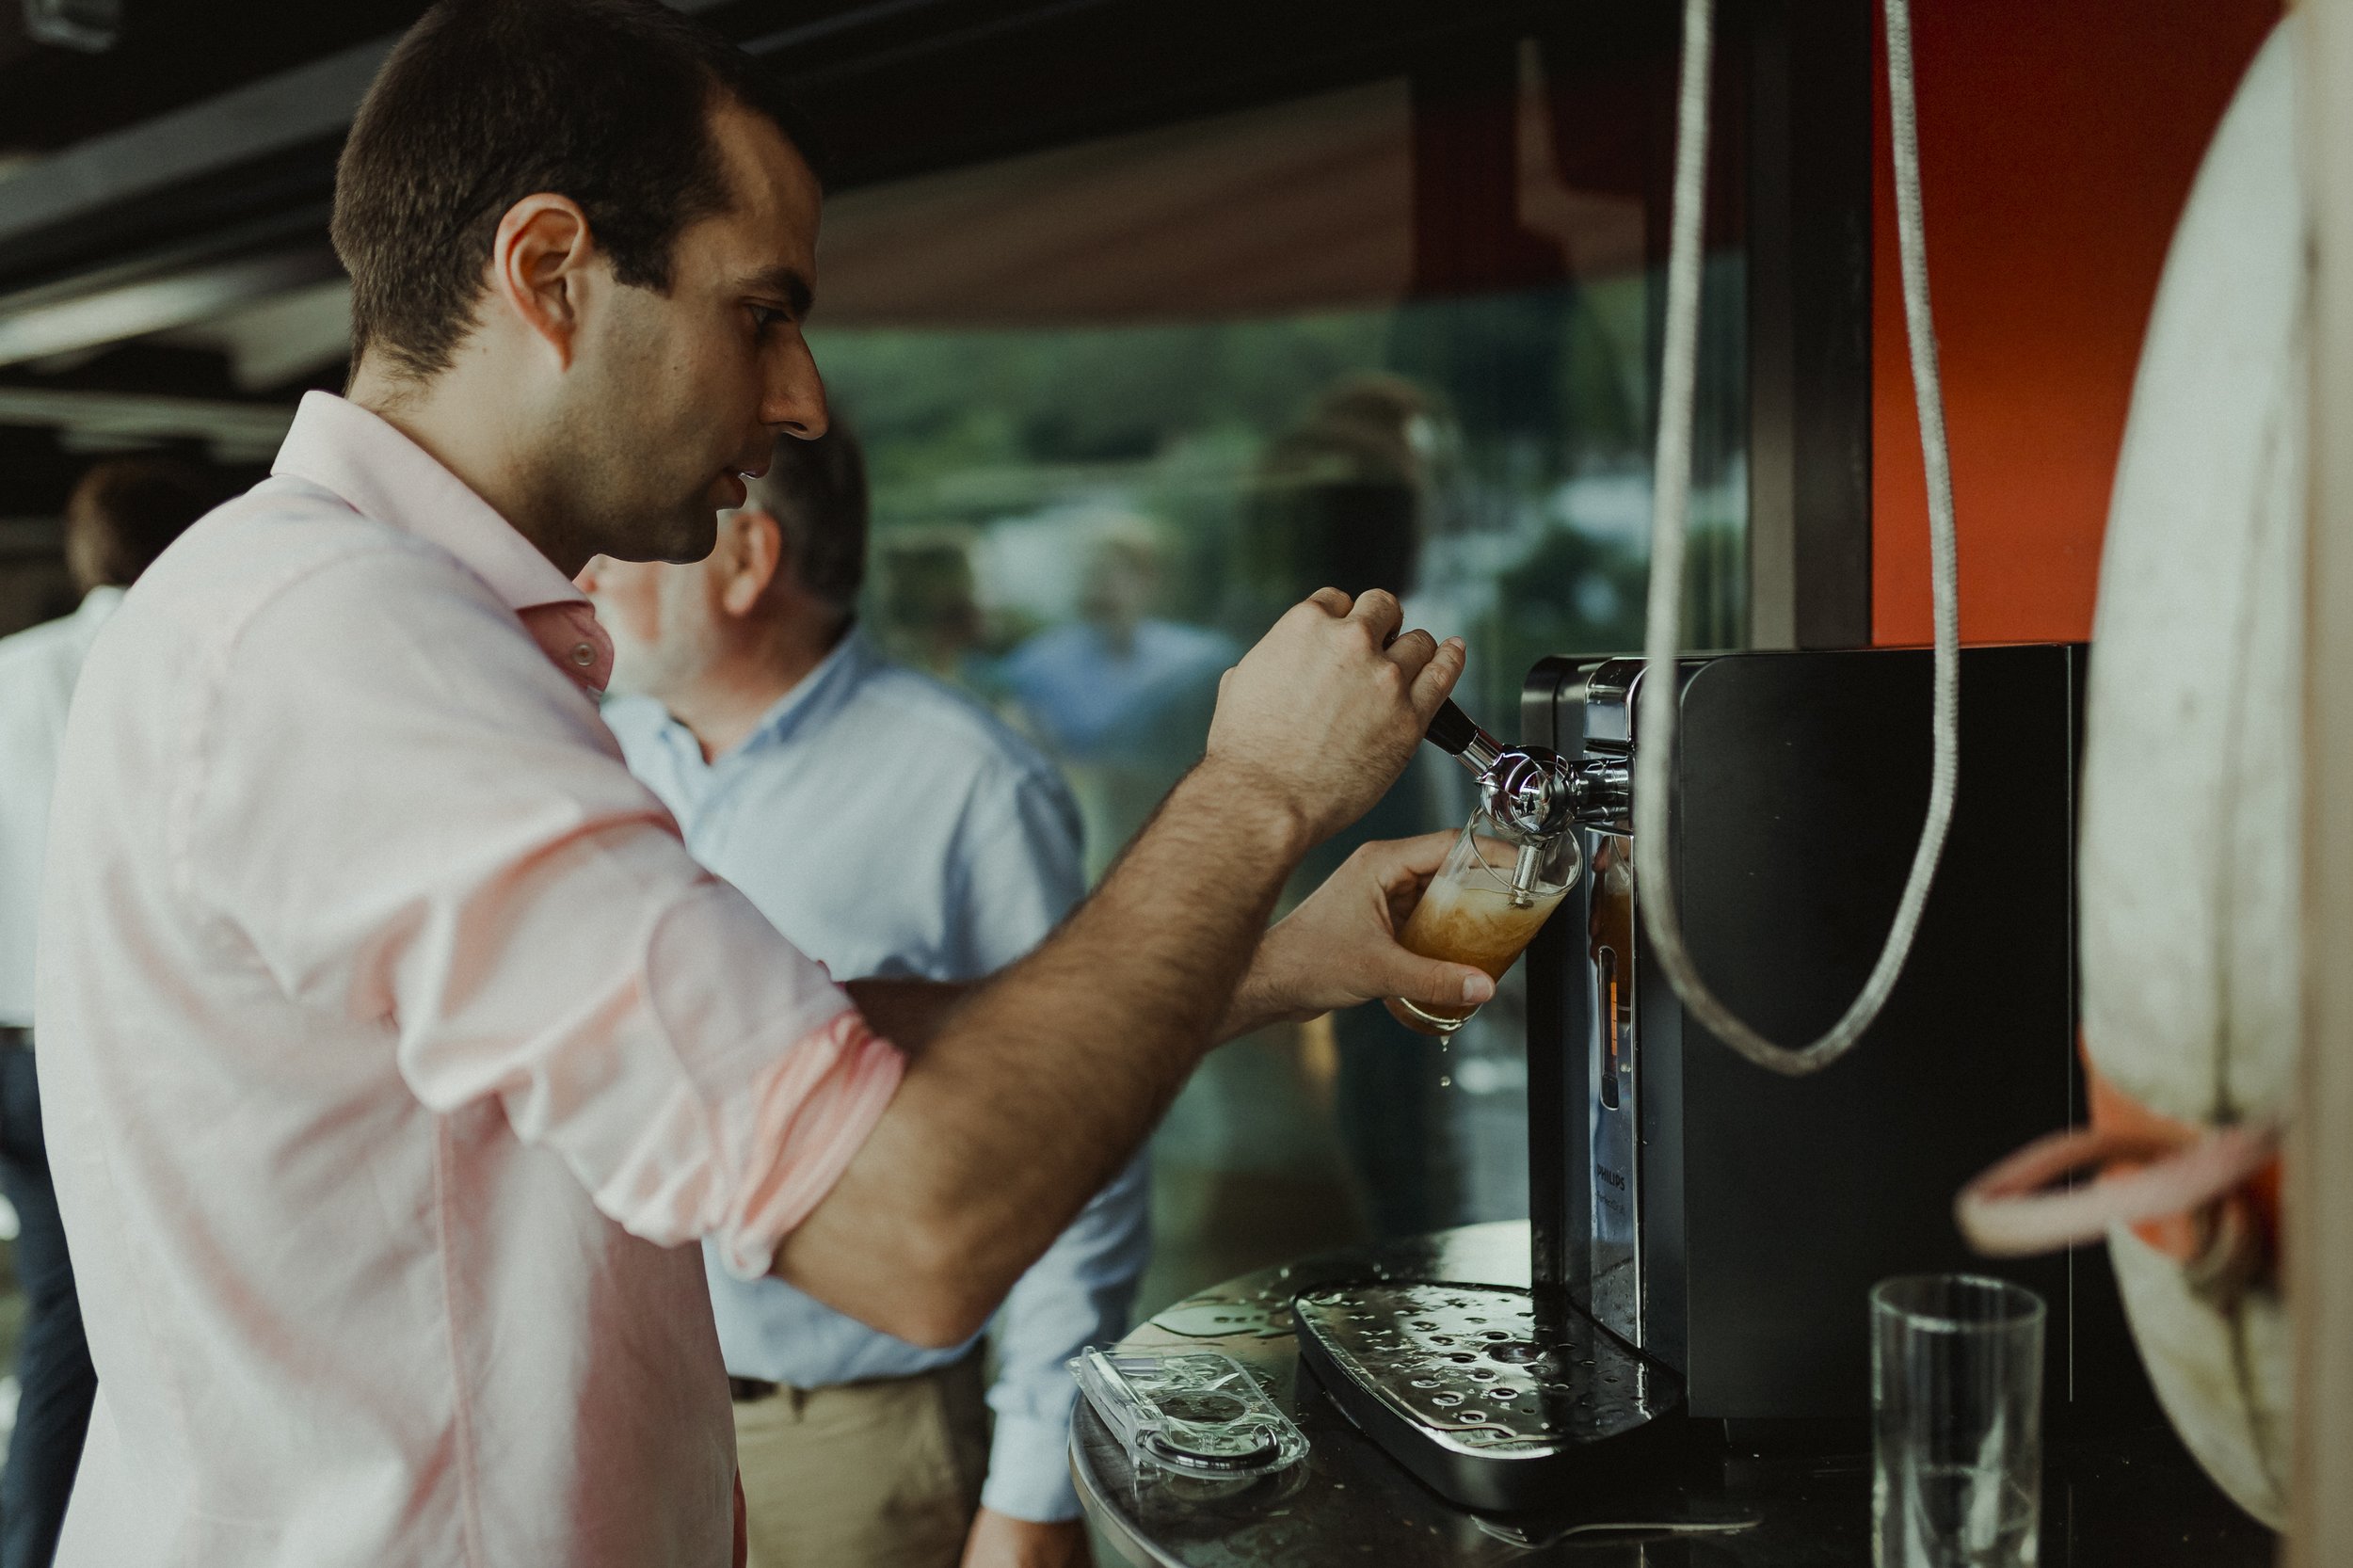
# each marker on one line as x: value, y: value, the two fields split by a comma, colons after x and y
x: 767, y: 319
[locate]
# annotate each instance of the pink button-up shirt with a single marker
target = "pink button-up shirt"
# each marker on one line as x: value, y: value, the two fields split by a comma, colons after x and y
x: 393, y: 1051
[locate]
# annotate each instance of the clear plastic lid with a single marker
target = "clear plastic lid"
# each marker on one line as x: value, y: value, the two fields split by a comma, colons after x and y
x: 1188, y: 1413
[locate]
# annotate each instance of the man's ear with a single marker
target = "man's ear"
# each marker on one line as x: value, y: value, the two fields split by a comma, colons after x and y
x: 754, y: 543
x: 539, y: 261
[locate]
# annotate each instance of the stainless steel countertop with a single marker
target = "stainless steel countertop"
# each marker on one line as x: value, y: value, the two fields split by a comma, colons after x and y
x: 2129, y: 1500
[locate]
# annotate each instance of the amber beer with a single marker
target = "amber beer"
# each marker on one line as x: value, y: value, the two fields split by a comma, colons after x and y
x: 1469, y: 922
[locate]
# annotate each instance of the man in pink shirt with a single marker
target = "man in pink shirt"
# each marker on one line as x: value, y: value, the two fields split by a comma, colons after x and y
x: 395, y: 1050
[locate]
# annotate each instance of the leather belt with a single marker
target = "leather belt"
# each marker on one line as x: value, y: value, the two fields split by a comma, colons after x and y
x: 751, y: 1390
x: 15, y: 1034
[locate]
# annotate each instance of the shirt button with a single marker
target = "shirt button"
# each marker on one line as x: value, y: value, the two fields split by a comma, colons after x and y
x: 583, y: 655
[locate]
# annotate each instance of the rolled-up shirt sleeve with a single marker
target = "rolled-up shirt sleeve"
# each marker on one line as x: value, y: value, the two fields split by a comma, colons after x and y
x: 456, y: 848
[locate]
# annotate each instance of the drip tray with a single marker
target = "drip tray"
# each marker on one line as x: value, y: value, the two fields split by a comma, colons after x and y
x: 1495, y: 1406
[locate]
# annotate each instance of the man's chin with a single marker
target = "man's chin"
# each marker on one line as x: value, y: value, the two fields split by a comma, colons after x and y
x: 695, y: 535
x: 685, y: 542
x: 680, y: 537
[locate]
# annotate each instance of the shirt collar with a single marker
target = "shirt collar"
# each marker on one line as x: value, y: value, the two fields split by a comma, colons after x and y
x: 816, y: 693
x: 341, y: 447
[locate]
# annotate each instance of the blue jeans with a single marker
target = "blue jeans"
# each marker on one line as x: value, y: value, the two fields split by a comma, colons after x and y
x: 52, y: 1367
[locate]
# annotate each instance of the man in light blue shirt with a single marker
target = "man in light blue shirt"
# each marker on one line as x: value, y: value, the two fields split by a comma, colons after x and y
x: 889, y: 827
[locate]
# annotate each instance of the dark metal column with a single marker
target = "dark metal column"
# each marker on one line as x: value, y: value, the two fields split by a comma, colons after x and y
x: 1809, y: 247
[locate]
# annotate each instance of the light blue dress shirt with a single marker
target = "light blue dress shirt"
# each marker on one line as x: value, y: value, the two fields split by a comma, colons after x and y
x: 890, y: 826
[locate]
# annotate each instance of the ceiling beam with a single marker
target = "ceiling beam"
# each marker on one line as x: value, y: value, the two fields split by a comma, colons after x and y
x: 135, y: 309
x: 99, y: 422
x: 278, y: 114
x: 284, y: 126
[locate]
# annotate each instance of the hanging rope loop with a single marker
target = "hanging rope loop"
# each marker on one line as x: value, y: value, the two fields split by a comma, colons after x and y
x: 1660, y: 702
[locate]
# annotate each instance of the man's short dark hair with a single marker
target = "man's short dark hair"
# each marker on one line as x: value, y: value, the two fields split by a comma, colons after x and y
x: 125, y: 510
x: 816, y: 490
x: 486, y: 101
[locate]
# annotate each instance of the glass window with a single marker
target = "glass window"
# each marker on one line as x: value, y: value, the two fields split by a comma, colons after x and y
x: 1126, y: 402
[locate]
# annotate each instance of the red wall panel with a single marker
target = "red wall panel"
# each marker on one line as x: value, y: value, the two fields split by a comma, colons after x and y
x: 2057, y: 142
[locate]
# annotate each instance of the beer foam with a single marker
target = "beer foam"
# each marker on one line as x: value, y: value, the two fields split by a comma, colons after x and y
x: 1472, y: 923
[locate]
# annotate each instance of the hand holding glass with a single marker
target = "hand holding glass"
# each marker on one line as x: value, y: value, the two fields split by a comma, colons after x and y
x: 1485, y: 905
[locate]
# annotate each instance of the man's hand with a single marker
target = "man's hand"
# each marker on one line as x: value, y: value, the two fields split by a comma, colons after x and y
x: 1327, y: 711
x: 1002, y: 1541
x: 1339, y: 946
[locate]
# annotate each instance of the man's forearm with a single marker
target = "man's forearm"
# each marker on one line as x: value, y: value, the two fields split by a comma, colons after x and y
x: 1263, y: 998
x: 909, y: 1013
x: 1043, y: 1081
x: 1047, y: 1077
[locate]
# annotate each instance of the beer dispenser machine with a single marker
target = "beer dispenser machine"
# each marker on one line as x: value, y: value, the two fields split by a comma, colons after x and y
x: 1705, y: 1231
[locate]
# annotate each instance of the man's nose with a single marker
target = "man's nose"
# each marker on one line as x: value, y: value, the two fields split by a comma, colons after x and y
x: 795, y: 405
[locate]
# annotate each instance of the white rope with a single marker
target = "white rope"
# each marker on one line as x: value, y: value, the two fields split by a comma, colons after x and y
x: 1654, y: 762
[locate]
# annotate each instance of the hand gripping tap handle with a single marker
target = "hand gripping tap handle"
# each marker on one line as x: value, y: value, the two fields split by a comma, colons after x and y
x: 1457, y: 734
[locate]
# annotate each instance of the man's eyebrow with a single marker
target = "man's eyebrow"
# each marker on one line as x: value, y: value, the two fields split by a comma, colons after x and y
x: 789, y: 284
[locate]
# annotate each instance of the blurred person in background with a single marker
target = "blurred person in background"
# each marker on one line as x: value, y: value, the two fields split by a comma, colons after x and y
x: 1107, y: 681
x: 930, y: 615
x: 1123, y: 694
x: 119, y: 519
x: 1344, y: 498
x: 764, y: 718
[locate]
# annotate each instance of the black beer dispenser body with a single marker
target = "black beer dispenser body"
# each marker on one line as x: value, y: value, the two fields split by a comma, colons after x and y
x: 1729, y: 1221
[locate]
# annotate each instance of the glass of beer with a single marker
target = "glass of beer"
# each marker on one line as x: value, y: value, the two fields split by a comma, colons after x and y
x: 1485, y: 905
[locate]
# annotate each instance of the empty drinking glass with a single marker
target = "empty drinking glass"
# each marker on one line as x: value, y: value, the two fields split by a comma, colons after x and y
x: 1957, y: 1413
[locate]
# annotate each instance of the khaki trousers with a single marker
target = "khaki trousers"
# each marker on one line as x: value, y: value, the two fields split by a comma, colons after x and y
x: 867, y: 1475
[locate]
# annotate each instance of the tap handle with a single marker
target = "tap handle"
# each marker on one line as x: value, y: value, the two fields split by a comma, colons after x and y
x: 1452, y: 730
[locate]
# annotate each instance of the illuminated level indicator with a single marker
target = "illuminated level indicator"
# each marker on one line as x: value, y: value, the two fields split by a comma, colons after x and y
x: 1606, y: 959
